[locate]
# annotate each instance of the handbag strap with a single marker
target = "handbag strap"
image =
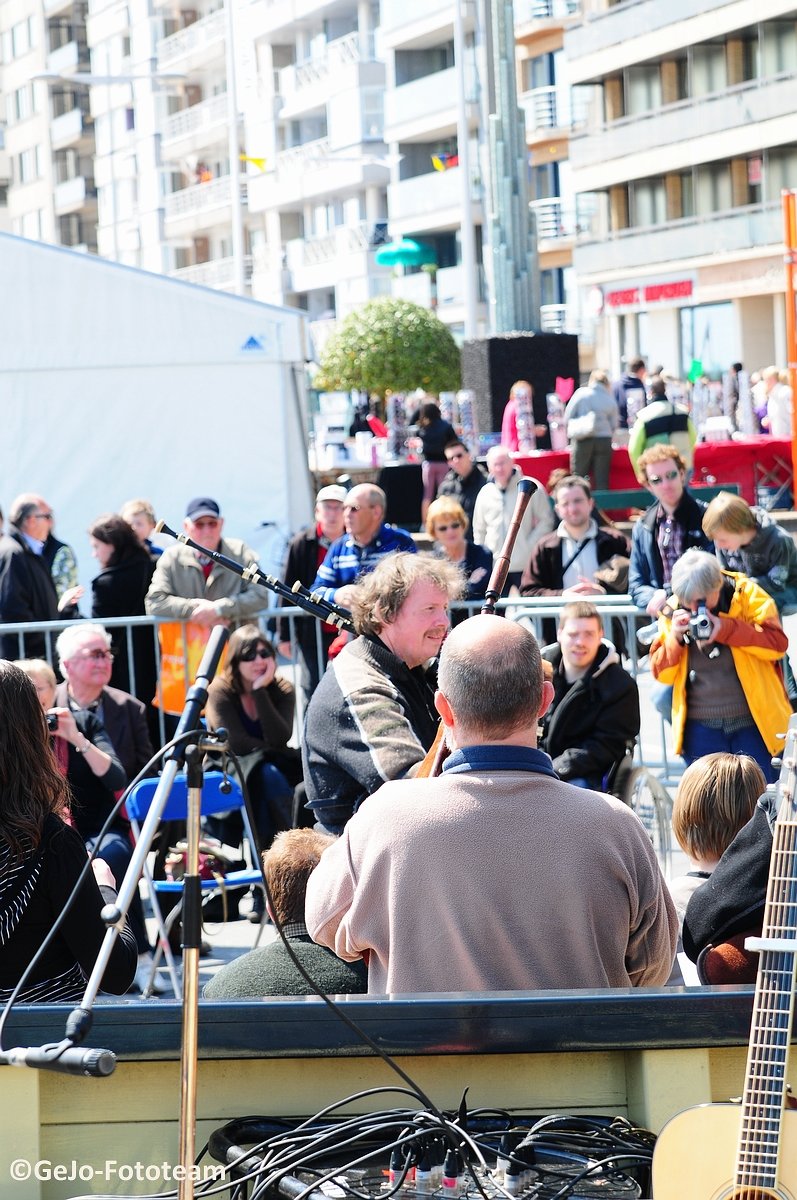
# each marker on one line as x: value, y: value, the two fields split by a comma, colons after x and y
x: 581, y: 545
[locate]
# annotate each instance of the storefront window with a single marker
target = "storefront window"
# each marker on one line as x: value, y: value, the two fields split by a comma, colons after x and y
x: 708, y: 336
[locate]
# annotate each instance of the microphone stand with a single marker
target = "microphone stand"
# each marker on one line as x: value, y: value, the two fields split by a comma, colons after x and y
x: 62, y: 1056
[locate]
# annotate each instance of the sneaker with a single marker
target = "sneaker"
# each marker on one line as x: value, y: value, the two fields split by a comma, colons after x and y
x: 141, y: 983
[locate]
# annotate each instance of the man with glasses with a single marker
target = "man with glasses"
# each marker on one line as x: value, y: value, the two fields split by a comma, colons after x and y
x: 464, y: 480
x: 673, y: 524
x: 366, y: 540
x: 86, y: 659
x: 27, y: 591
x: 188, y: 586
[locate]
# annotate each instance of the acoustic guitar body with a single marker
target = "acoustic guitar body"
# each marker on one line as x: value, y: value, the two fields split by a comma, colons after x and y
x: 696, y: 1152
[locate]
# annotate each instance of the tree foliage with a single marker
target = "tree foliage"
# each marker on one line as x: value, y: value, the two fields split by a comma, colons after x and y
x: 390, y: 345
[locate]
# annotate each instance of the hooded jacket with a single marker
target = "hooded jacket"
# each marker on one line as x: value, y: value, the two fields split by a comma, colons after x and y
x: 770, y: 560
x: 587, y: 731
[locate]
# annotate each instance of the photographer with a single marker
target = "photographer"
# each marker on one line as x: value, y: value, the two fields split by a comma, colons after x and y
x: 719, y: 643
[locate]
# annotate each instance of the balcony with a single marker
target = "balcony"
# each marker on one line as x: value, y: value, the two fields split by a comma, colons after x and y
x: 425, y: 108
x: 320, y: 262
x: 201, y: 206
x: 413, y: 23
x: 194, y: 46
x: 72, y: 195
x: 311, y: 169
x: 67, y: 59
x: 53, y: 7
x: 607, y: 40
x: 758, y: 113
x: 68, y: 129
x: 527, y: 11
x: 193, y: 128
x: 306, y: 86
x: 428, y: 202
x: 757, y: 227
x: 549, y: 109
x: 271, y: 16
x: 219, y: 273
x: 553, y: 223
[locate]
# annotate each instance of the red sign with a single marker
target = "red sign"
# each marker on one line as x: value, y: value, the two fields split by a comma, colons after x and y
x: 651, y: 293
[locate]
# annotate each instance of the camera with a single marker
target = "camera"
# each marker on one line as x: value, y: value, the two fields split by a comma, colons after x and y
x: 52, y: 721
x: 700, y: 623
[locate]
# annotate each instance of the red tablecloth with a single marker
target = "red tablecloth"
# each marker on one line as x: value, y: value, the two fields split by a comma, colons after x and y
x: 756, y: 462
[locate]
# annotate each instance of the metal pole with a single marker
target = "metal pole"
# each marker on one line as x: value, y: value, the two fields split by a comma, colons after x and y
x: 192, y: 939
x: 467, y: 234
x: 234, y: 152
x: 789, y: 200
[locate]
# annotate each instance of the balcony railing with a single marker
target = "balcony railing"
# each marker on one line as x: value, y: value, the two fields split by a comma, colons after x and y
x: 308, y: 154
x: 72, y: 194
x: 67, y: 58
x: 545, y: 10
x: 339, y: 53
x: 554, y: 223
x: 199, y: 117
x: 199, y: 198
x: 203, y: 34
x: 754, y: 227
x: 66, y: 129
x: 218, y: 273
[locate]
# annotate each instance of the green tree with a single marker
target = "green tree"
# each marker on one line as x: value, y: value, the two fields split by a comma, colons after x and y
x: 390, y: 346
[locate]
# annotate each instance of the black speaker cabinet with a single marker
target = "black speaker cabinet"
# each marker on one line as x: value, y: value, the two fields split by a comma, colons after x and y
x: 491, y: 365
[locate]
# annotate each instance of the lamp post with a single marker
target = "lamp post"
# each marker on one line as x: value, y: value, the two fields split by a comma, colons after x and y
x: 467, y: 233
x: 236, y: 211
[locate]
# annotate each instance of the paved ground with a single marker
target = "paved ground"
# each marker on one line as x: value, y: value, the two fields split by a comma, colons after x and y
x: 236, y: 937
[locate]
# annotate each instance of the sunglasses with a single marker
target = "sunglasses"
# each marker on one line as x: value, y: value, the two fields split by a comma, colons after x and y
x: 445, y: 528
x: 454, y: 457
x: 668, y: 477
x: 255, y: 652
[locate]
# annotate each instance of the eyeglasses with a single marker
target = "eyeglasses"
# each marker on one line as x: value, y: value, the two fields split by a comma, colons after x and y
x: 454, y: 457
x: 668, y: 476
x: 96, y: 655
x: 445, y: 528
x: 355, y: 507
x: 255, y: 652
x: 44, y: 516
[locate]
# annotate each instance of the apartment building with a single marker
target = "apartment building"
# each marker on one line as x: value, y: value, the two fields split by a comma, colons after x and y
x: 678, y: 176
x: 47, y: 163
x: 425, y: 195
x: 312, y: 97
x: 552, y: 110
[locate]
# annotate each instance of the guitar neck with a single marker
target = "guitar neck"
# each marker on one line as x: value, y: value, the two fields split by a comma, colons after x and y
x: 773, y: 1008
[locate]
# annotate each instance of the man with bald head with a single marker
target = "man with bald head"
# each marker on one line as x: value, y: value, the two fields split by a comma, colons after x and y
x: 496, y: 875
x: 366, y: 540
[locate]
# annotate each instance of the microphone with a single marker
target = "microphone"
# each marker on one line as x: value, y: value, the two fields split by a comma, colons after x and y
x: 71, y: 1061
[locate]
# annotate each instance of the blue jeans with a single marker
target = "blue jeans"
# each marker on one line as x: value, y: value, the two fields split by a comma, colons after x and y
x: 701, y: 739
x: 117, y: 850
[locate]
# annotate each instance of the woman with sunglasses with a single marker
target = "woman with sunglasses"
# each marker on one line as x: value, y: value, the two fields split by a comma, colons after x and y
x: 41, y: 859
x: 256, y: 706
x: 447, y: 524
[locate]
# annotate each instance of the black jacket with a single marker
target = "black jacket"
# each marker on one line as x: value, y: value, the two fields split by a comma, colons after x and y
x: 27, y: 593
x: 646, y: 571
x: 587, y: 731
x: 464, y: 490
x: 302, y: 565
x: 119, y: 591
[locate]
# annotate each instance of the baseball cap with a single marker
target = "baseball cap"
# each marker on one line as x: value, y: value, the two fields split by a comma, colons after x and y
x: 202, y: 506
x: 332, y: 491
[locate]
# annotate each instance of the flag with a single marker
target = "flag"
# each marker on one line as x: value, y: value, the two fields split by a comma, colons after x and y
x: 442, y: 162
x: 260, y: 163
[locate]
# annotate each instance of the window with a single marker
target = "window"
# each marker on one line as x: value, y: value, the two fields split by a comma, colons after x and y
x: 648, y: 202
x: 642, y: 89
x: 709, y: 72
x: 29, y: 165
x: 714, y: 192
x: 32, y: 225
x: 706, y: 333
x: 780, y: 171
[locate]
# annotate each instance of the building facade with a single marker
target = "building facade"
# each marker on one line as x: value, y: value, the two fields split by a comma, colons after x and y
x: 678, y: 175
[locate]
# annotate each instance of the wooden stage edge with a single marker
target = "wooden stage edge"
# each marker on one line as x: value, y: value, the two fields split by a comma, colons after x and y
x: 642, y: 1054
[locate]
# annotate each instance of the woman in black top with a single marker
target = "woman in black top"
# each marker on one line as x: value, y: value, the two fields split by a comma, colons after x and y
x: 40, y: 861
x: 435, y: 434
x: 119, y: 591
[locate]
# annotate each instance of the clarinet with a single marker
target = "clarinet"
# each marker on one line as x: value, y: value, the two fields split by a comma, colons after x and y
x: 310, y: 602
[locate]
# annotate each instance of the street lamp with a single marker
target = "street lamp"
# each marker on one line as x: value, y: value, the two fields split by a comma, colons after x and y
x: 467, y: 233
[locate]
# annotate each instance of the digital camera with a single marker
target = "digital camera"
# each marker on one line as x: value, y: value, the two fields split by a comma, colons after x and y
x: 700, y: 623
x: 52, y: 721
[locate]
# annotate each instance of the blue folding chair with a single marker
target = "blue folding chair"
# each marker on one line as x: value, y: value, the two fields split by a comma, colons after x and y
x: 215, y: 802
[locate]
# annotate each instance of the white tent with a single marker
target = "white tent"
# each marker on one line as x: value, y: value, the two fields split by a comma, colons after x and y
x: 116, y: 383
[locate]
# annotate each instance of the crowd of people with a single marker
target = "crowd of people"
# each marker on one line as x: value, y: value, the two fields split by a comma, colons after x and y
x: 385, y: 850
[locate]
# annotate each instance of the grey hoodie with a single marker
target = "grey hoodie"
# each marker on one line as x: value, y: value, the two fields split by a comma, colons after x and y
x: 770, y: 559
